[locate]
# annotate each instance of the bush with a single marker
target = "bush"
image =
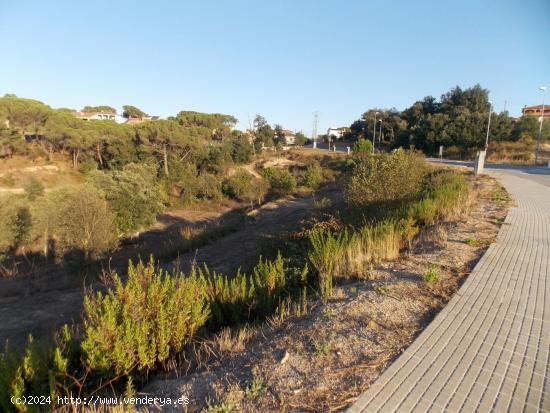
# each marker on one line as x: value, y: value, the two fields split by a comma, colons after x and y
x: 41, y: 370
x: 7, y: 180
x: 210, y: 187
x: 385, y: 180
x: 242, y: 150
x: 87, y: 166
x: 245, y: 186
x: 424, y: 211
x: 137, y: 325
x: 444, y: 197
x: 15, y: 223
x: 362, y: 147
x: 242, y: 298
x: 325, y: 256
x: 34, y: 188
x: 239, y: 184
x: 282, y: 182
x: 85, y: 226
x: 313, y: 177
x: 133, y: 195
x: 431, y: 275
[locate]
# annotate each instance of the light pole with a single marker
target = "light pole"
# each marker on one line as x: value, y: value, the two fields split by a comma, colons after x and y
x: 543, y: 89
x: 489, y: 124
x: 374, y: 132
x: 380, y: 132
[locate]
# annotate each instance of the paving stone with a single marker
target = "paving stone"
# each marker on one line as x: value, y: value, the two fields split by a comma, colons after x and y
x: 488, y: 349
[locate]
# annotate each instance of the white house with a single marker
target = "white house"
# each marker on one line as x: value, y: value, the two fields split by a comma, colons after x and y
x: 336, y: 133
x: 95, y: 115
x: 290, y: 137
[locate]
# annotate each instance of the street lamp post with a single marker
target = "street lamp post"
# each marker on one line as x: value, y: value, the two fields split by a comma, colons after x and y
x: 489, y: 124
x: 374, y: 132
x: 380, y: 132
x: 543, y: 89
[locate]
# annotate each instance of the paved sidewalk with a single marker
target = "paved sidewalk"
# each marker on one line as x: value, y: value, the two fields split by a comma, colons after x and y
x: 488, y: 349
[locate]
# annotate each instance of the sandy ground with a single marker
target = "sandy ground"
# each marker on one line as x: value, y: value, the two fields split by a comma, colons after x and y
x: 322, y: 361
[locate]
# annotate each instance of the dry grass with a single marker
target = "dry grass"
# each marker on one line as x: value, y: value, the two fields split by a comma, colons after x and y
x: 229, y: 341
x: 521, y: 152
x: 367, y: 247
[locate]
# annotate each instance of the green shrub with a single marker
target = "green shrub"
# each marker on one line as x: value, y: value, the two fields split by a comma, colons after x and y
x: 431, y: 275
x: 7, y: 180
x: 321, y: 348
x: 255, y: 388
x: 325, y: 255
x: 210, y: 187
x: 242, y: 297
x: 282, y: 182
x: 444, y: 197
x: 313, y: 176
x: 15, y: 223
x: 424, y: 211
x: 239, y: 184
x: 41, y: 370
x: 84, y: 228
x: 133, y: 195
x: 34, y: 188
x: 385, y: 180
x: 87, y: 166
x: 135, y: 326
x: 245, y: 186
x: 408, y: 230
x: 362, y: 147
x: 242, y: 150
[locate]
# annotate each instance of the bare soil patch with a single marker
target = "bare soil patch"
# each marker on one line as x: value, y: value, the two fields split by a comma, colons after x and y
x: 323, y: 360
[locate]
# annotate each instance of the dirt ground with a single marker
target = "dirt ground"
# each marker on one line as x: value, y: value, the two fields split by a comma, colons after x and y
x: 40, y: 304
x: 323, y: 360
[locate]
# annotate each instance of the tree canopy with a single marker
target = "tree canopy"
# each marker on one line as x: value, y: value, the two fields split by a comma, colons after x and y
x: 100, y: 108
x: 133, y: 112
x: 458, y: 120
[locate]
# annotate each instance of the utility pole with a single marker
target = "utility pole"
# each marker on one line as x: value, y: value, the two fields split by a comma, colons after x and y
x: 374, y: 132
x: 380, y: 133
x: 489, y: 124
x: 314, y: 131
x: 543, y: 89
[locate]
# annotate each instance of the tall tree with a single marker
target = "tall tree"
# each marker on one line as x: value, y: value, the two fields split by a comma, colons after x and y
x: 100, y: 108
x: 165, y: 137
x: 133, y: 112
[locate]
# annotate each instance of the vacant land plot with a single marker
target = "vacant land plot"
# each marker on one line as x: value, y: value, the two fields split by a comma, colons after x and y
x: 321, y: 357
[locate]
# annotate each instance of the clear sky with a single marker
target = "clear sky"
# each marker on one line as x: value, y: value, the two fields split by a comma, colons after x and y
x: 282, y: 59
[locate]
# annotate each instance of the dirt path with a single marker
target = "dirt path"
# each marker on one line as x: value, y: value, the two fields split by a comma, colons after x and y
x: 40, y: 306
x: 230, y: 252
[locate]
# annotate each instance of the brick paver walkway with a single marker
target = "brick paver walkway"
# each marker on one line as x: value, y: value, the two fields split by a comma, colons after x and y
x: 488, y: 349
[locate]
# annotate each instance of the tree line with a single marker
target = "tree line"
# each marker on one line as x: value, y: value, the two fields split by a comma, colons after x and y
x: 457, y: 121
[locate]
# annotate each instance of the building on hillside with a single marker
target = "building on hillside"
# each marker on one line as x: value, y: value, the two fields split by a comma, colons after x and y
x: 536, y: 111
x: 290, y: 137
x: 95, y: 115
x: 337, y: 133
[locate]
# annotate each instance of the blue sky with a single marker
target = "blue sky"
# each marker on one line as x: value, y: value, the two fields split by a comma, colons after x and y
x: 282, y: 59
